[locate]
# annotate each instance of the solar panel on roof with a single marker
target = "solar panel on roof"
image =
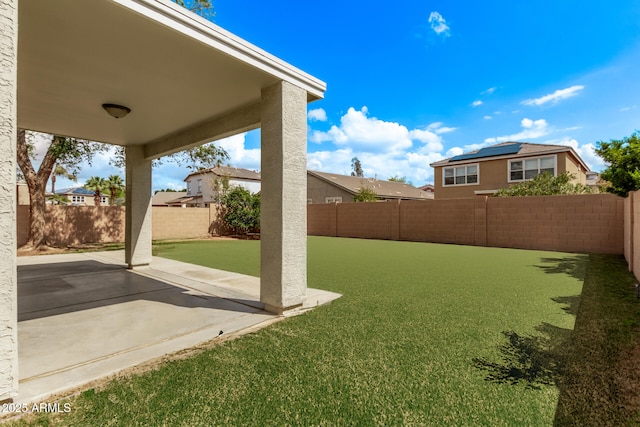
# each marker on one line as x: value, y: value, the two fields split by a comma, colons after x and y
x: 489, y: 152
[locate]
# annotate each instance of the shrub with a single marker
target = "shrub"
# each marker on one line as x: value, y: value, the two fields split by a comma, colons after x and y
x: 241, y: 210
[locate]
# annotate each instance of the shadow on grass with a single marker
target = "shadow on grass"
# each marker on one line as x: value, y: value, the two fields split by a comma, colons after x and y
x: 532, y: 360
x: 571, y: 265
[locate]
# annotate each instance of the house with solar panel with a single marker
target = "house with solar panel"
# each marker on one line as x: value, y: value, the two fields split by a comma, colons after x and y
x: 487, y: 170
x: 79, y: 196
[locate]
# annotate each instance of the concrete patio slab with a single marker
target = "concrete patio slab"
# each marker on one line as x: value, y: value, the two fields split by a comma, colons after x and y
x: 83, y: 317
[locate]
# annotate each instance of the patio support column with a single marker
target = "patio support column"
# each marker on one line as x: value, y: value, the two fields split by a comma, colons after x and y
x: 138, y: 208
x: 8, y: 273
x: 283, y: 220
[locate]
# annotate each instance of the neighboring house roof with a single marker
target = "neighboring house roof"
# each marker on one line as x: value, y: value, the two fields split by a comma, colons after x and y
x: 229, y: 172
x: 384, y: 189
x: 77, y: 191
x: 163, y: 198
x: 508, y: 150
x: 428, y: 188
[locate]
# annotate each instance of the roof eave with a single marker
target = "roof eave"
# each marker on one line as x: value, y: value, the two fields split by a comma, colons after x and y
x: 198, y: 28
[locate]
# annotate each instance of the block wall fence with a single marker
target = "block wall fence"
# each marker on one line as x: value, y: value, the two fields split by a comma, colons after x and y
x: 600, y: 223
x: 583, y: 223
x: 75, y: 225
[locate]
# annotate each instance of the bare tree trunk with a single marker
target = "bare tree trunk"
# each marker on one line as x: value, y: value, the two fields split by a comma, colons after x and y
x: 36, y: 182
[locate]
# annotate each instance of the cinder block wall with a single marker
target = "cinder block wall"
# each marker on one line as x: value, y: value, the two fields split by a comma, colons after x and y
x: 73, y: 225
x: 178, y: 223
x: 438, y: 221
x: 584, y: 223
x: 366, y: 222
x: 321, y: 219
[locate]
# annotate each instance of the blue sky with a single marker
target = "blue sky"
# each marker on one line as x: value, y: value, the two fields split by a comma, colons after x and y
x: 412, y: 82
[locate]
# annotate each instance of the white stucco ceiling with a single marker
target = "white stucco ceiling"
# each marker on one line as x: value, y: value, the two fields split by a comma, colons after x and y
x: 172, y: 68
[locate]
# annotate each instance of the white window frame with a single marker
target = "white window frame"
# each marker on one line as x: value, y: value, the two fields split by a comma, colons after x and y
x: 524, y: 159
x: 333, y: 199
x: 444, y: 173
x: 77, y: 199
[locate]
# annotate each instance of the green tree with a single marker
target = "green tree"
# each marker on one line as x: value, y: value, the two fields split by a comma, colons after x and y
x: 356, y: 167
x: 203, y: 8
x: 98, y: 185
x: 198, y: 158
x: 66, y: 152
x: 365, y: 194
x: 623, y: 163
x: 58, y: 199
x: 545, y: 184
x: 59, y: 170
x: 402, y: 179
x: 241, y: 210
x: 116, y: 188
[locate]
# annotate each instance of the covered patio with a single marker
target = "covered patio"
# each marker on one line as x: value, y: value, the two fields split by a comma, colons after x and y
x: 84, y: 317
x: 186, y: 82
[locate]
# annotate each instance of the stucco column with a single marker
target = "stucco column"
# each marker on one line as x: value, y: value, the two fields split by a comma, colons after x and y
x: 8, y: 274
x: 138, y: 208
x: 283, y: 220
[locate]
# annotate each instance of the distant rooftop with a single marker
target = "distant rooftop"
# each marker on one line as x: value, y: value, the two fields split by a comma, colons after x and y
x: 384, y: 189
x: 229, y: 172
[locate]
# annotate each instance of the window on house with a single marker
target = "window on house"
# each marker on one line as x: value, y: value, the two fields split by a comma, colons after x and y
x: 77, y: 199
x: 103, y: 199
x: 461, y: 175
x: 333, y: 199
x: 522, y: 170
x: 199, y: 186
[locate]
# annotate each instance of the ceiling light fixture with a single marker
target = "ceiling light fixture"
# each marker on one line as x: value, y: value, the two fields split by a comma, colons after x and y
x: 115, y: 110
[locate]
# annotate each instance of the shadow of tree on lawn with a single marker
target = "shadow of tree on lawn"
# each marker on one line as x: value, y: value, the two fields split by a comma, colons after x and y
x: 572, y: 265
x: 533, y: 360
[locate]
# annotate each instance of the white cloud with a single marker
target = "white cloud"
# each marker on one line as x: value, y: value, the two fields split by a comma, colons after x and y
x: 487, y: 117
x: 412, y: 165
x: 554, y: 97
x: 438, y: 24
x: 239, y: 155
x: 438, y: 128
x: 364, y: 133
x: 586, y: 151
x: 532, y: 129
x: 454, y: 151
x: 488, y: 91
x: 385, y: 149
x: 476, y: 103
x: 317, y: 114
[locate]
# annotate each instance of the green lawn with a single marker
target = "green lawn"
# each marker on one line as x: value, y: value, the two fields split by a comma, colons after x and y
x: 424, y: 334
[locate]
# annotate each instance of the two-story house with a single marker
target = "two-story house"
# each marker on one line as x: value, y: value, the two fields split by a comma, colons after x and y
x: 203, y: 186
x: 485, y: 171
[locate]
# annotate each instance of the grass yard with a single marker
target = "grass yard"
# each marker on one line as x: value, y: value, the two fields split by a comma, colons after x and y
x: 424, y: 334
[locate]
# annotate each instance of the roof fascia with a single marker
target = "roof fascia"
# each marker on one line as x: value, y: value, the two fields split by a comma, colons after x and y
x: 204, y: 31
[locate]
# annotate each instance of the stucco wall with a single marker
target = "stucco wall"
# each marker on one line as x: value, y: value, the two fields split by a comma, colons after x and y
x: 318, y: 190
x: 8, y: 274
x: 584, y: 223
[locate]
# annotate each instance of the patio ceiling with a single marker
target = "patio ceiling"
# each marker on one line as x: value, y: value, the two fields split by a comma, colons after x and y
x: 185, y: 79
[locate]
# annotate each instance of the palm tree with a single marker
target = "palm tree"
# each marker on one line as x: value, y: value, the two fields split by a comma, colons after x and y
x: 115, y: 184
x: 59, y: 170
x: 97, y: 184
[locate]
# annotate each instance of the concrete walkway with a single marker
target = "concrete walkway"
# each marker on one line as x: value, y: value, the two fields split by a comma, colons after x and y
x: 83, y: 317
